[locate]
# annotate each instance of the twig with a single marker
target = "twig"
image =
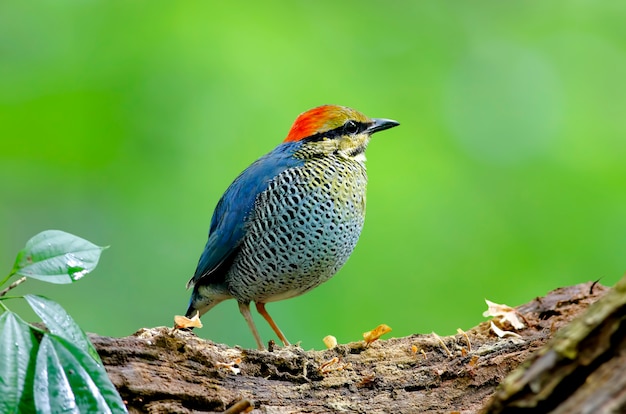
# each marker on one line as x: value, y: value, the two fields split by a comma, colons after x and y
x: 469, y: 344
x: 443, y: 344
x: 242, y: 406
x: 13, y: 285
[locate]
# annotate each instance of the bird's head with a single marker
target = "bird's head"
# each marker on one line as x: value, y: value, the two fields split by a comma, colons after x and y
x: 333, y: 129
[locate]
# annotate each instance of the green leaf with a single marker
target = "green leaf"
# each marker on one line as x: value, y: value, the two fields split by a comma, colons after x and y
x: 60, y: 323
x: 17, y: 352
x: 67, y: 379
x: 57, y: 257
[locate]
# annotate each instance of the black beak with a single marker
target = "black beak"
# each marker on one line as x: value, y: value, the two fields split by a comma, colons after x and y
x: 380, y: 124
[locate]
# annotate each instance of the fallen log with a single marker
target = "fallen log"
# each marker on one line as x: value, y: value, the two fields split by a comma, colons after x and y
x: 164, y: 370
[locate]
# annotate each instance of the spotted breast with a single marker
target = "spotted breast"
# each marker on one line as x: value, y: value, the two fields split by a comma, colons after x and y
x: 303, y: 228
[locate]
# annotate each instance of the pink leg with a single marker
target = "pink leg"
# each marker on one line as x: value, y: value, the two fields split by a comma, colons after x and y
x: 261, y: 308
x: 244, y: 308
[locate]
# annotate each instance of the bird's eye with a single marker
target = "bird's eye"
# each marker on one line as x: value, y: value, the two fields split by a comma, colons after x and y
x: 351, y: 127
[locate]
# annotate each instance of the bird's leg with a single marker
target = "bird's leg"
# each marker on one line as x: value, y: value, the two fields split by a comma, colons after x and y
x: 244, y: 308
x: 261, y: 308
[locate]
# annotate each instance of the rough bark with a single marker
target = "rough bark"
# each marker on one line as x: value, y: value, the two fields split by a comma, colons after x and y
x: 163, y: 370
x: 581, y: 370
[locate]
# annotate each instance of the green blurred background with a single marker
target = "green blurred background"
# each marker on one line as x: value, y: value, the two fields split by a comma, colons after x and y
x: 124, y: 122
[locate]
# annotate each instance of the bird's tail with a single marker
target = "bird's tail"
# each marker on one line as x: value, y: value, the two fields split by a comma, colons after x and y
x: 204, y: 298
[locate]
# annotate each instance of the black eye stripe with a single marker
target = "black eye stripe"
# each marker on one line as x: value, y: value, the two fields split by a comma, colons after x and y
x: 349, y: 128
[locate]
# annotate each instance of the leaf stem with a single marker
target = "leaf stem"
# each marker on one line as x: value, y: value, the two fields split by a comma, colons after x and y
x: 13, y: 285
x: 7, y: 278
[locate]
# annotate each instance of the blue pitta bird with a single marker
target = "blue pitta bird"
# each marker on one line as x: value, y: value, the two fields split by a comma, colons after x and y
x: 291, y: 220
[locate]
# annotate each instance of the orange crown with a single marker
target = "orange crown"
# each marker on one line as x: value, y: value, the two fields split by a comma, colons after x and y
x: 313, y: 121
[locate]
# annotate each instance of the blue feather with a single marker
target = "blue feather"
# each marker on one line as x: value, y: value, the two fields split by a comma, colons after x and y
x: 228, y: 224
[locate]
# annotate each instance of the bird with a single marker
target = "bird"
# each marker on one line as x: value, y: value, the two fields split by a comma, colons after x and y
x: 291, y: 219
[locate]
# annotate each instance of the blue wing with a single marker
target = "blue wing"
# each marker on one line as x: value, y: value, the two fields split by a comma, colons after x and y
x: 233, y: 210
